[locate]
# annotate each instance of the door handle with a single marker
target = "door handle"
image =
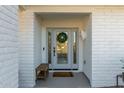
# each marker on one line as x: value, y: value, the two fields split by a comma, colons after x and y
x: 54, y: 51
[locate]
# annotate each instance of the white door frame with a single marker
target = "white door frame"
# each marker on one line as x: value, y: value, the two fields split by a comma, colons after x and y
x: 70, y: 64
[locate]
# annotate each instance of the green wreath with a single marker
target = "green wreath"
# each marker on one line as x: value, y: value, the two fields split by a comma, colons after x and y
x: 62, y: 37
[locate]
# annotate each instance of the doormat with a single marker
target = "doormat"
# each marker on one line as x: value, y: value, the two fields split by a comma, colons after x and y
x: 63, y: 74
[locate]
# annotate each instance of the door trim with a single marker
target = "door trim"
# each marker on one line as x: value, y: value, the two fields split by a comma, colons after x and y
x: 75, y: 29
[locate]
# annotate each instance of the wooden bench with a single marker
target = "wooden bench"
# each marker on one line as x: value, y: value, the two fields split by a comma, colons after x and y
x: 42, y: 71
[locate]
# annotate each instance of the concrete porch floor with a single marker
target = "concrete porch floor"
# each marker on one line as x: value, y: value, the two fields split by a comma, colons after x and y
x: 77, y: 81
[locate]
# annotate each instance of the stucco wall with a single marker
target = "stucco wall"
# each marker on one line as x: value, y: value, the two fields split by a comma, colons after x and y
x: 8, y: 46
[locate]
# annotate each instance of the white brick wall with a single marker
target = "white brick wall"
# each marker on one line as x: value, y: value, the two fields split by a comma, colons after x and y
x: 26, y: 50
x: 8, y: 46
x: 107, y: 47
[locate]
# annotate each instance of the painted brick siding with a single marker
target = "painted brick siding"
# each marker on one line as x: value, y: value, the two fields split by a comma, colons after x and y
x: 107, y: 47
x: 8, y: 46
x: 26, y: 50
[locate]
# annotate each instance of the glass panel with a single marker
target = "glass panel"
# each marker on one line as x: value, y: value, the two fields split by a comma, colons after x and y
x: 49, y: 47
x: 74, y: 47
x: 62, y: 47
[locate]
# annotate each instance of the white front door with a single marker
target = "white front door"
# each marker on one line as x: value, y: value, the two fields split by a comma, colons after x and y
x: 62, y: 48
